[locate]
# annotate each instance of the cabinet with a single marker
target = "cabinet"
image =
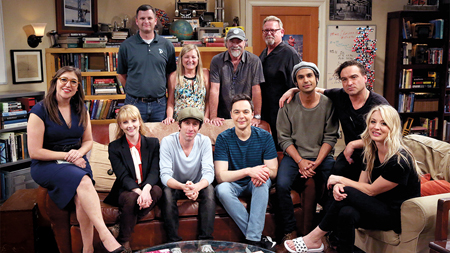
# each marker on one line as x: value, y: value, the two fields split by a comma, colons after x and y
x: 416, y: 69
x: 16, y: 172
x: 53, y: 54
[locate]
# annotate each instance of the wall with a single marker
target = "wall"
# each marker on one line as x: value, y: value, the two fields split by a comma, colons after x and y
x: 18, y: 14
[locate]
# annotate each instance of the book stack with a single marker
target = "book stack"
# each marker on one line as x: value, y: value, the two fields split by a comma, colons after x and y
x: 14, y: 119
x: 435, y: 55
x: 13, y: 147
x: 95, y: 42
x: 104, y: 86
x: 407, y: 53
x: 117, y: 38
x: 214, y: 41
x: 70, y: 40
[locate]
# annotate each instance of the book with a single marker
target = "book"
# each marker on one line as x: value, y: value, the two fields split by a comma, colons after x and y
x: 99, y: 108
x: 14, y: 121
x: 14, y: 125
x: 2, y: 151
x: 20, y: 112
x: 12, y: 152
x: 13, y: 117
x: 215, y: 44
x: 103, y: 39
x: 106, y: 110
x: 100, y: 115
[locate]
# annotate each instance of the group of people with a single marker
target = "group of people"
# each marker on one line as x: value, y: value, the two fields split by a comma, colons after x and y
x: 368, y: 181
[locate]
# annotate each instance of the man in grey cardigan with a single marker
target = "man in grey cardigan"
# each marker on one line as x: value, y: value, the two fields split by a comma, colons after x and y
x: 187, y: 171
x: 307, y: 133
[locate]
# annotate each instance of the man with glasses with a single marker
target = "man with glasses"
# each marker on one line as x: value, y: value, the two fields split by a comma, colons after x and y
x: 277, y: 60
x: 235, y: 71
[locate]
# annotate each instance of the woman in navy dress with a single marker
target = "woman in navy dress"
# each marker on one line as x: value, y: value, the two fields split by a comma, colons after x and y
x: 59, y: 136
x: 389, y: 178
x: 135, y: 161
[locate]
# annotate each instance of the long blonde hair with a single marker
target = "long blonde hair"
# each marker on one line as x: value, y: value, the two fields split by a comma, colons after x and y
x: 199, y: 69
x: 393, y: 141
x: 128, y: 112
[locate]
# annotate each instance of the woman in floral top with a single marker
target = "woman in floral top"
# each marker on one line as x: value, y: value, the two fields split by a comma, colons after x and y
x: 188, y: 86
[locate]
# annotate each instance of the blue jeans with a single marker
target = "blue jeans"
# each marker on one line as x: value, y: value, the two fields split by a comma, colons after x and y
x: 288, y: 178
x: 251, y: 224
x: 150, y: 111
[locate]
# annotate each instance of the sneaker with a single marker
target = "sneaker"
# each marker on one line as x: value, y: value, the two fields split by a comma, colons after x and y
x: 206, y: 248
x: 267, y: 243
x: 176, y: 250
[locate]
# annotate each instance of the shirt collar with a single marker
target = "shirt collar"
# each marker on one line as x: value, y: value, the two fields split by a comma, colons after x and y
x: 138, y: 145
x: 141, y: 40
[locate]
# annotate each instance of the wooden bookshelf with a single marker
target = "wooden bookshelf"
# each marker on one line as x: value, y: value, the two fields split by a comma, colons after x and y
x: 395, y: 66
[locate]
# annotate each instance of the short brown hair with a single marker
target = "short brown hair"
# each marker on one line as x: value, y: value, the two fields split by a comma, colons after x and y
x: 356, y: 63
x: 240, y: 97
x: 145, y: 7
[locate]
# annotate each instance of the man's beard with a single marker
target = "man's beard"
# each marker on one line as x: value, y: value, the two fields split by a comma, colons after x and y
x: 236, y: 52
x: 270, y: 41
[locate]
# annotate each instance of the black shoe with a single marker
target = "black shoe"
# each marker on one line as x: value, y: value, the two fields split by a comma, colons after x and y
x: 267, y: 243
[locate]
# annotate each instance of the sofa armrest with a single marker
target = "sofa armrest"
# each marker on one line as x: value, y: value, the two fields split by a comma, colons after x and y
x: 418, y: 215
x: 59, y: 219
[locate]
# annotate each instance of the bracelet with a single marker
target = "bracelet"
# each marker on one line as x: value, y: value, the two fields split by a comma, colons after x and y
x: 301, y: 159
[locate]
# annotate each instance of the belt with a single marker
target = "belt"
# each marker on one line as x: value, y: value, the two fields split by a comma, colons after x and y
x: 146, y: 100
x: 66, y: 148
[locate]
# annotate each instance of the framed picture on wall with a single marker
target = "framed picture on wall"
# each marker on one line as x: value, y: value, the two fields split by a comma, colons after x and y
x: 350, y: 9
x: 75, y: 16
x: 27, y: 66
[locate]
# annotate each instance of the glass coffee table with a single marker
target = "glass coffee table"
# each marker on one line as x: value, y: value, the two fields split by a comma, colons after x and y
x: 195, y: 246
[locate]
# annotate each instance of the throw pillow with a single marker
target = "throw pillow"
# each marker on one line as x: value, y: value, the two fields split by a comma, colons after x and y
x: 100, y: 165
x: 434, y: 187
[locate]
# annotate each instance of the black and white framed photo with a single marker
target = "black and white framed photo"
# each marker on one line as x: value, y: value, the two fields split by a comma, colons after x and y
x: 27, y: 66
x: 350, y: 9
x: 76, y: 16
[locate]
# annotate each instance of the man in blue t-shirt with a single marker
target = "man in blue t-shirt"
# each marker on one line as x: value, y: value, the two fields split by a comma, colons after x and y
x: 245, y: 162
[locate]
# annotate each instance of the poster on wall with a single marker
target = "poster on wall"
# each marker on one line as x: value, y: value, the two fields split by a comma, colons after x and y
x: 296, y: 41
x: 340, y: 41
x: 350, y: 9
x: 3, y: 79
x: 74, y: 16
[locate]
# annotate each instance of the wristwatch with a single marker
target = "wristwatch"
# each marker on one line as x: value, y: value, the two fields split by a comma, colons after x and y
x: 257, y: 116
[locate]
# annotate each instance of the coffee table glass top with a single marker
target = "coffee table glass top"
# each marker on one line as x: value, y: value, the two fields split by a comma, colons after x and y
x: 217, y: 246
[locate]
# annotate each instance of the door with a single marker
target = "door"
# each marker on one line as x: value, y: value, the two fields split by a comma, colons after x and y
x: 296, y: 20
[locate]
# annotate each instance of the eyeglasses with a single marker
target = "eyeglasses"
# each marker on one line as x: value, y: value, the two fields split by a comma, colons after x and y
x: 64, y: 81
x: 272, y: 31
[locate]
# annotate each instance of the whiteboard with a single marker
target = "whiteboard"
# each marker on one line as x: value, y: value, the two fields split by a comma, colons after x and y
x: 340, y: 41
x: 3, y: 79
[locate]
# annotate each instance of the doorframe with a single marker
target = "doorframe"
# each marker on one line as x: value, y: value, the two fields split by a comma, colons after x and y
x: 247, y: 5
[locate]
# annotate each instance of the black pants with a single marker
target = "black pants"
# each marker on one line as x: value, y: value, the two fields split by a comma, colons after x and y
x: 358, y: 210
x: 130, y: 213
x: 206, y: 212
x: 343, y: 168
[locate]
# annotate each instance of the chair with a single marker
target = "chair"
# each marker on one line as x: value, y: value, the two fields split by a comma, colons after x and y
x: 441, y: 243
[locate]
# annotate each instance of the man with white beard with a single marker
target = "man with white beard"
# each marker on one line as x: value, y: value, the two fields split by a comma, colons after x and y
x: 278, y: 59
x: 235, y: 71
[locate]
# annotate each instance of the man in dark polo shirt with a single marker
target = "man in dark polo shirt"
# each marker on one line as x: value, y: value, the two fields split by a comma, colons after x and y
x: 144, y: 64
x: 235, y: 71
x: 278, y: 59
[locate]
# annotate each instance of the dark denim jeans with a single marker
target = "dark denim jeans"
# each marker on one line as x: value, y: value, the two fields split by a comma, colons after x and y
x: 206, y: 213
x: 150, y: 111
x: 288, y: 178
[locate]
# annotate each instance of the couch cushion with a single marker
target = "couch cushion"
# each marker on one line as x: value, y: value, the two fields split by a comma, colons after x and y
x: 433, y: 156
x: 99, y: 161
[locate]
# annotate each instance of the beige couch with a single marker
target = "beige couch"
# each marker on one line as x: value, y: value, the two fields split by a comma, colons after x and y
x: 418, y: 215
